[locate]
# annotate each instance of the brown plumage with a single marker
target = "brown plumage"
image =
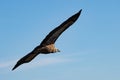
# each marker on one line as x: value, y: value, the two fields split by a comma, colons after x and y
x: 47, y: 45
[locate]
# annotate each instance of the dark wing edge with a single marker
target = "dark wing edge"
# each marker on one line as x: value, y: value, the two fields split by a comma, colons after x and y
x: 55, y: 33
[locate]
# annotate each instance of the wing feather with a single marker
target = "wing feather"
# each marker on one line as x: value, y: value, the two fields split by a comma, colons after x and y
x: 27, y: 58
x: 54, y: 34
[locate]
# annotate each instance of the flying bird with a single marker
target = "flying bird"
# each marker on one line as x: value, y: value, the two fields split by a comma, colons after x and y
x: 48, y: 44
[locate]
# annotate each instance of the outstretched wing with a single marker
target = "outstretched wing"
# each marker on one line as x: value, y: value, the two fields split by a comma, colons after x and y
x: 26, y: 58
x: 54, y: 34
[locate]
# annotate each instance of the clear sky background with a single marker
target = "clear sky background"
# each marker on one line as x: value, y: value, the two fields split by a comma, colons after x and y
x: 90, y: 49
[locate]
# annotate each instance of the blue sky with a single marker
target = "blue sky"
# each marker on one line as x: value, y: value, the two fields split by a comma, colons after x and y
x: 90, y: 49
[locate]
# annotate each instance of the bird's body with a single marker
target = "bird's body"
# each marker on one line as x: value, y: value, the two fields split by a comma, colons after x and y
x: 46, y: 49
x: 47, y: 45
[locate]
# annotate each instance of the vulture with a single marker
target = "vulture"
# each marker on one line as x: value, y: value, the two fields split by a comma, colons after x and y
x: 48, y: 44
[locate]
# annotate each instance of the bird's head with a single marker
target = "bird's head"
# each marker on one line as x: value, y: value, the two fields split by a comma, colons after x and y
x: 57, y: 50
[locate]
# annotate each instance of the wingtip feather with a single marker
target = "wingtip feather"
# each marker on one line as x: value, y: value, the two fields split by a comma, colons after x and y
x: 15, y: 67
x: 80, y: 11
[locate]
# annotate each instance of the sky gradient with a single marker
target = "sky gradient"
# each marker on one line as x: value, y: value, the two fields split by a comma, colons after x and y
x: 90, y: 48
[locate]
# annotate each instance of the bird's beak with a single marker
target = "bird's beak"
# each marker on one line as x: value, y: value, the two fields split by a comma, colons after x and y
x: 58, y: 50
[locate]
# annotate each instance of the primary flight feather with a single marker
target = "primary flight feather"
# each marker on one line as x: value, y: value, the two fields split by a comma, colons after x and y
x: 47, y: 45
